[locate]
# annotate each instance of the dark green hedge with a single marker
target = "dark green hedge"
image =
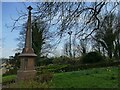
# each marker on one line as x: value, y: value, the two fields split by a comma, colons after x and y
x: 66, y: 68
x: 87, y: 66
x: 92, y: 57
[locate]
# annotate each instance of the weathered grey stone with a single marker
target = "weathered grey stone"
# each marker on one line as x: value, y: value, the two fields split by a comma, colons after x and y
x: 27, y: 69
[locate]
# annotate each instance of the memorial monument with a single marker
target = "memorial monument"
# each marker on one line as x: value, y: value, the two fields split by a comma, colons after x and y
x: 27, y: 69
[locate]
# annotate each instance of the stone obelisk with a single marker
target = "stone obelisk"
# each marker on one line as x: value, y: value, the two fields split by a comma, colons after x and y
x: 27, y: 69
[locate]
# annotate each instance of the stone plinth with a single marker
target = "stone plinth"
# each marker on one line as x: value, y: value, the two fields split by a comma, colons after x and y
x: 26, y: 75
x: 27, y: 69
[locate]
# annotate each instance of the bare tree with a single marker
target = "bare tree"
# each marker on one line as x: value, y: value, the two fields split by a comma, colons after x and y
x: 108, y: 34
x: 63, y: 17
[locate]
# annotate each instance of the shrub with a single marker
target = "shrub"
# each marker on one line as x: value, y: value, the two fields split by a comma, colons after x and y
x: 30, y: 84
x: 8, y: 79
x: 44, y: 76
x: 56, y: 68
x: 11, y: 72
x: 61, y: 60
x: 44, y: 61
x: 108, y: 60
x: 51, y: 68
x: 92, y: 57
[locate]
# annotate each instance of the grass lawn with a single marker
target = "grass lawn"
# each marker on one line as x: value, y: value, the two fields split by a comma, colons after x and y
x: 91, y: 78
x: 8, y: 78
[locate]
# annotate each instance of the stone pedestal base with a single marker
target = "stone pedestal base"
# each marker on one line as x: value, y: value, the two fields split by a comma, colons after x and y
x: 26, y: 75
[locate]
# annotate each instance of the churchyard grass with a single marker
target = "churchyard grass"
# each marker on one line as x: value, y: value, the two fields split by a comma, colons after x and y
x: 8, y: 78
x: 89, y: 78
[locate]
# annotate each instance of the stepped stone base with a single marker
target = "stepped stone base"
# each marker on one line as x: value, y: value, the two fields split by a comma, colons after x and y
x: 25, y: 75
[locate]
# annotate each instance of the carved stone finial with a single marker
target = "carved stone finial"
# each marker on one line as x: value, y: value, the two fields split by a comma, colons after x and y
x: 30, y: 8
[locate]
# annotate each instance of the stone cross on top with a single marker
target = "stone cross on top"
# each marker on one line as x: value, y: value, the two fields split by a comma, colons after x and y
x: 28, y: 39
x: 28, y: 42
x: 29, y: 8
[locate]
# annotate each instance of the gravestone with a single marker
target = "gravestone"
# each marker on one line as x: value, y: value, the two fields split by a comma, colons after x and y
x: 27, y: 69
